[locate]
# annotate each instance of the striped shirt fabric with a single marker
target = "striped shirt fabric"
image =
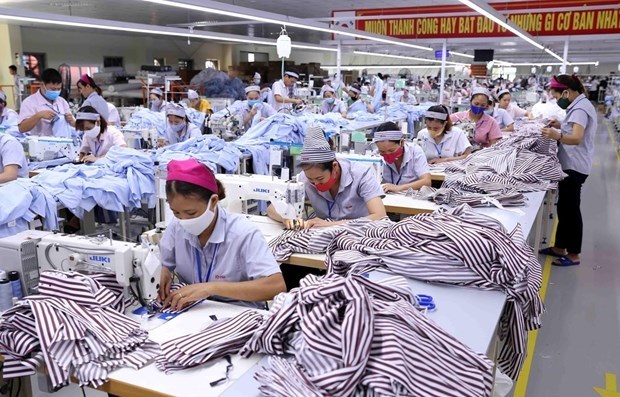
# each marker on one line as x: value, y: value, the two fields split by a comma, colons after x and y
x: 73, y: 327
x: 448, y: 196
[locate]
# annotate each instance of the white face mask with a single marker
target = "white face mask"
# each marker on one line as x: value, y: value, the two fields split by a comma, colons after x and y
x: 197, y: 225
x: 93, y: 132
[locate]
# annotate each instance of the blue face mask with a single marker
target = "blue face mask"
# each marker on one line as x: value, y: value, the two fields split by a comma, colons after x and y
x: 477, y: 110
x: 52, y: 95
x: 330, y: 100
x: 177, y: 127
x: 252, y: 103
x: 257, y: 81
x: 488, y: 112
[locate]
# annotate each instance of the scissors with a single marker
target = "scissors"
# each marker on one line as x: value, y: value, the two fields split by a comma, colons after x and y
x: 426, y: 301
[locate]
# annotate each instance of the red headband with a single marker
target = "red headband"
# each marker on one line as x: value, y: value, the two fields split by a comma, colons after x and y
x: 557, y: 84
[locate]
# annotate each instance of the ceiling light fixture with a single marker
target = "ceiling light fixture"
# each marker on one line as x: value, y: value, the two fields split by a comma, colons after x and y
x: 91, y: 23
x: 255, y: 15
x: 405, y: 57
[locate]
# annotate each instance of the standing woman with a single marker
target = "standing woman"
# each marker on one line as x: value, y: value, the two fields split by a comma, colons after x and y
x: 503, y: 102
x: 441, y: 141
x: 178, y: 127
x: 487, y: 131
x: 99, y: 137
x: 92, y: 96
x: 338, y: 190
x: 220, y: 255
x: 405, y: 164
x: 575, y: 152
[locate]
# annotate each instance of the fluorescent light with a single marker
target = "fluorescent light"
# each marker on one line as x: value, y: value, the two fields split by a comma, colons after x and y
x: 129, y: 27
x: 405, y: 57
x: 461, y: 54
x: 287, y: 21
x: 361, y: 67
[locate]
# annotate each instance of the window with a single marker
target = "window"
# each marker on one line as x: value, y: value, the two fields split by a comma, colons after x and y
x: 250, y: 57
x: 111, y: 62
x: 212, y: 63
x: 78, y: 71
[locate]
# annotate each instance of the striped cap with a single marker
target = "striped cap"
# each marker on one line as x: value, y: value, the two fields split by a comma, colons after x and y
x: 436, y: 115
x: 292, y: 74
x: 316, y: 148
x: 382, y: 136
x: 157, y: 91
x: 87, y: 116
x: 252, y: 88
x: 175, y: 110
x: 327, y: 88
x: 355, y: 90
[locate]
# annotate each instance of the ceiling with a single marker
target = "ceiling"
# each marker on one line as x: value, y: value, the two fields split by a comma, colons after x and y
x: 603, y: 48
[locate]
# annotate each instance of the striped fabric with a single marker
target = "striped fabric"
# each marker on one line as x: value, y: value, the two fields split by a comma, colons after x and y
x: 316, y: 149
x: 73, y: 327
x: 449, y: 196
x: 382, y: 136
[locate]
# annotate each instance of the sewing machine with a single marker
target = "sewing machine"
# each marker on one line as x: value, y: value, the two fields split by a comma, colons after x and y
x: 373, y: 161
x: 228, y: 127
x: 44, y: 148
x: 133, y: 264
x: 287, y: 197
x: 134, y: 138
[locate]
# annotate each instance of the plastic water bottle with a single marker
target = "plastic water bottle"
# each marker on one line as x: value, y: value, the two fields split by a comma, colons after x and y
x: 16, y: 285
x: 6, y: 295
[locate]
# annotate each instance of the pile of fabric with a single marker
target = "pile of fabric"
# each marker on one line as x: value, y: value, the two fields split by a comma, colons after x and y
x: 207, y: 149
x: 22, y: 201
x: 458, y: 247
x: 344, y: 336
x: 75, y: 327
x: 123, y: 179
x: 524, y: 162
x: 450, y: 196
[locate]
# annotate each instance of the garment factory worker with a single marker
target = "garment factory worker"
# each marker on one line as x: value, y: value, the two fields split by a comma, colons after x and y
x: 265, y: 92
x: 282, y: 91
x: 407, y: 97
x: 253, y: 111
x: 357, y: 103
x: 405, y: 164
x: 98, y: 137
x: 440, y: 140
x: 156, y: 97
x: 331, y: 104
x: 505, y: 122
x: 503, y: 102
x: 327, y: 83
x: 13, y: 163
x: 8, y: 117
x: 575, y: 138
x: 92, y: 96
x: 338, y: 190
x: 487, y: 131
x: 198, y: 103
x: 178, y: 126
x: 221, y: 255
x: 41, y: 110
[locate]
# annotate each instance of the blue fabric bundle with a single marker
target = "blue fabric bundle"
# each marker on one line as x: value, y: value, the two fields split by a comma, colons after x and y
x: 207, y: 149
x: 22, y: 201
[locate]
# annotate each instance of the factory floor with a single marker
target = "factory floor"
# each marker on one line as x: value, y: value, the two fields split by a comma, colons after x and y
x: 578, y: 347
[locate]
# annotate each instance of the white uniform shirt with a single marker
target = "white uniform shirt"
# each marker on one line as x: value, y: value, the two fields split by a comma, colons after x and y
x: 9, y: 117
x: 278, y: 88
x: 36, y: 103
x: 100, y: 146
x: 452, y: 144
x: 236, y: 251
x: 337, y: 107
x: 190, y: 131
x: 413, y: 167
x: 266, y: 110
x: 113, y: 118
x: 12, y: 153
x: 502, y: 117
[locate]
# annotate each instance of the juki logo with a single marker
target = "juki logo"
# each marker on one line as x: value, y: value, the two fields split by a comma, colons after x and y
x: 96, y: 258
x: 259, y: 190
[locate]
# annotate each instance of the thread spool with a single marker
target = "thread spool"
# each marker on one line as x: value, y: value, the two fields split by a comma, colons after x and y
x: 16, y: 285
x: 6, y: 295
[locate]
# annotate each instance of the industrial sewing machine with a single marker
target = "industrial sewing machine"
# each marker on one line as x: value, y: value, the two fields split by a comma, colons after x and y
x: 44, y: 148
x: 31, y: 252
x: 287, y: 197
x: 228, y: 127
x: 134, y: 138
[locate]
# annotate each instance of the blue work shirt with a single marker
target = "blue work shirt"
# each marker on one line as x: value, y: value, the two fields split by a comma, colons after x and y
x: 358, y: 185
x: 237, y: 251
x: 12, y: 153
x: 413, y: 167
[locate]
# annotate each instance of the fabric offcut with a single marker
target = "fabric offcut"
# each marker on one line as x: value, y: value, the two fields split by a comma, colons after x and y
x: 22, y: 201
x: 75, y: 328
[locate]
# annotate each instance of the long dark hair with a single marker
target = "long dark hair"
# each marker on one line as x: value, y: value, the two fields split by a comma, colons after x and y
x: 571, y: 82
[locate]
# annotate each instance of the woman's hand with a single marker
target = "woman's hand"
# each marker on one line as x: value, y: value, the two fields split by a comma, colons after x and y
x: 316, y: 222
x: 165, y: 282
x: 551, y: 133
x: 389, y: 187
x: 187, y: 295
x: 294, y: 224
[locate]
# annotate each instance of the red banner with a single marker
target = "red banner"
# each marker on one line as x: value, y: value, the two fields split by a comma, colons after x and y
x: 544, y: 23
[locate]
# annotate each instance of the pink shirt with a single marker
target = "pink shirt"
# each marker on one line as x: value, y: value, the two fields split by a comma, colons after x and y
x: 99, y: 147
x: 37, y: 102
x: 487, y: 128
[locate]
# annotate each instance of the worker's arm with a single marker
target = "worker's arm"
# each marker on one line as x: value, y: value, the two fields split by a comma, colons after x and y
x: 509, y: 128
x: 493, y: 141
x: 370, y: 108
x: 572, y: 139
x: 466, y: 153
x: 281, y: 99
x: 248, y: 117
x: 9, y: 174
x: 424, y: 180
x: 28, y: 124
